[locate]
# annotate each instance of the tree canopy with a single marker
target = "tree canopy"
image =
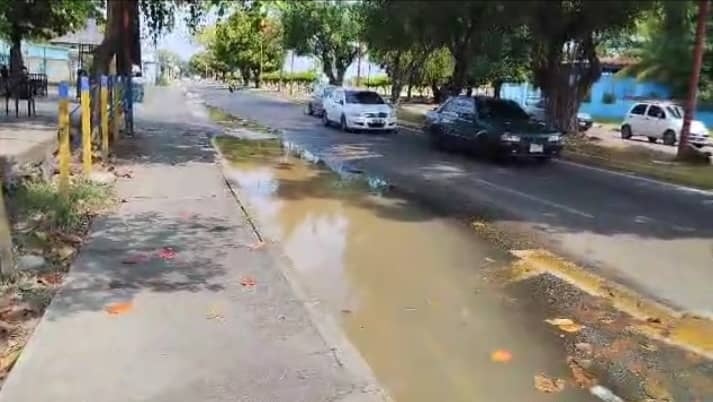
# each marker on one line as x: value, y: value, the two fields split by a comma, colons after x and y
x: 328, y: 30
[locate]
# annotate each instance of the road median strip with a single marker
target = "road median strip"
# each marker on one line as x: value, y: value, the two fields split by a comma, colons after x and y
x: 657, y: 321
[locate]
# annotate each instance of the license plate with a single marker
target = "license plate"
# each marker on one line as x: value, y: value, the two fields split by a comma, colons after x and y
x: 536, y: 148
x: 377, y: 121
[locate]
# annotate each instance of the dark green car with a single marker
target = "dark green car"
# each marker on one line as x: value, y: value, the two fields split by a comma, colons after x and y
x: 491, y: 127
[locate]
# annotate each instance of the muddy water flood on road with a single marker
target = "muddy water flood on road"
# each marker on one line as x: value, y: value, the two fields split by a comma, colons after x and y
x: 409, y: 288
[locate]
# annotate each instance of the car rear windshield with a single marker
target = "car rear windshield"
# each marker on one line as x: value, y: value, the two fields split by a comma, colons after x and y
x: 364, y: 97
x: 500, y: 109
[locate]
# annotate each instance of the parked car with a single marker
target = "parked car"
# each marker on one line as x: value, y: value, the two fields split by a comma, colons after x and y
x: 661, y: 120
x: 537, y: 112
x: 491, y: 127
x: 315, y: 105
x: 355, y: 109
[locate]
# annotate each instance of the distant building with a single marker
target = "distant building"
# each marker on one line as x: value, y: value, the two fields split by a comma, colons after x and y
x: 52, y: 60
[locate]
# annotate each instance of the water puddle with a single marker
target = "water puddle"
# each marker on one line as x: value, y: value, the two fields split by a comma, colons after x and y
x: 410, y: 289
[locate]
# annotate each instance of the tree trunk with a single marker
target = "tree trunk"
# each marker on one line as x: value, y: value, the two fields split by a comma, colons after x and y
x: 256, y: 77
x: 437, y: 96
x: 408, y: 91
x: 497, y: 87
x: 16, y: 61
x: 7, y: 264
x: 245, y: 73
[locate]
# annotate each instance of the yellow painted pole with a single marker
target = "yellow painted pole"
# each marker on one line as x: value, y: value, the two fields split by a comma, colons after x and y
x: 103, y: 104
x: 86, y: 126
x: 64, y: 152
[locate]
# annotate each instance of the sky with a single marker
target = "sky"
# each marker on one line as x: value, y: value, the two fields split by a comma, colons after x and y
x: 180, y: 41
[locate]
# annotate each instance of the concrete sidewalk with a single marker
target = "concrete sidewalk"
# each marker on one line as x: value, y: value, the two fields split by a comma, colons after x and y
x: 177, y: 255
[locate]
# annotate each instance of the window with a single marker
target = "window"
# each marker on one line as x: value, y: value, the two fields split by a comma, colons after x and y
x: 500, y: 109
x: 449, y: 106
x: 638, y: 109
x: 675, y: 111
x: 657, y: 112
x: 364, y: 98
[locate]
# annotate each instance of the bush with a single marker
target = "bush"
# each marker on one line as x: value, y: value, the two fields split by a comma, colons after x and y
x: 300, y: 78
x: 608, y: 98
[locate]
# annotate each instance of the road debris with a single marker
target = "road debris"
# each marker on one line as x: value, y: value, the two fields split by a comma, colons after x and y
x: 135, y: 259
x: 247, y: 281
x: 565, y: 324
x: 257, y: 245
x: 581, y: 377
x: 604, y: 394
x: 549, y: 385
x: 501, y: 356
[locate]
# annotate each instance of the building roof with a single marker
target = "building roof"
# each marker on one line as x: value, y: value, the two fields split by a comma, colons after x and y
x: 90, y: 35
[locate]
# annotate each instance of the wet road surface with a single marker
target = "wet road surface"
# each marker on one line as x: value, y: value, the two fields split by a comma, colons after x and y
x: 655, y: 238
x: 410, y: 288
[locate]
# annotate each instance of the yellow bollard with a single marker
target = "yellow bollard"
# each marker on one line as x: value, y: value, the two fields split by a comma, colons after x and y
x: 103, y: 104
x: 64, y: 152
x: 86, y: 126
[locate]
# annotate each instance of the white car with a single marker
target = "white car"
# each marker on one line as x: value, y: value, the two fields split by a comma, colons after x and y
x: 356, y: 109
x: 661, y: 120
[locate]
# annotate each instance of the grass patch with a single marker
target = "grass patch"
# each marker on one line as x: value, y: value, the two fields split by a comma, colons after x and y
x: 642, y: 161
x: 42, y: 200
x: 243, y: 150
x: 608, y: 120
x: 410, y: 116
x: 229, y: 120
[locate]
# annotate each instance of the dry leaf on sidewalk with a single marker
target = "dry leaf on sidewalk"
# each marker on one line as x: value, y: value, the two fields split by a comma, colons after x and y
x: 50, y: 279
x: 118, y: 308
x: 7, y: 361
x: 257, y: 245
x: 247, y: 281
x: 501, y: 356
x: 167, y: 253
x: 548, y: 385
x: 565, y: 324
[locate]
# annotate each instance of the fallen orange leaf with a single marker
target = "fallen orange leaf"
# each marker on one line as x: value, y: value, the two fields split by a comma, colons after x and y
x: 119, y: 308
x: 501, y: 356
x: 565, y: 324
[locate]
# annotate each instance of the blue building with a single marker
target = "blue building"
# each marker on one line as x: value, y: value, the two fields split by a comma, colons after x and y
x: 610, y: 98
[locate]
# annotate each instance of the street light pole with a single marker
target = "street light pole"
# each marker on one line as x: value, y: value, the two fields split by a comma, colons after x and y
x: 690, y: 107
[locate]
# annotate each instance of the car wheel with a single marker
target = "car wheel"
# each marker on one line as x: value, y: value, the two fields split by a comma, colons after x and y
x: 669, y: 137
x: 343, y: 124
x: 325, y: 119
x: 652, y: 140
x: 626, y: 132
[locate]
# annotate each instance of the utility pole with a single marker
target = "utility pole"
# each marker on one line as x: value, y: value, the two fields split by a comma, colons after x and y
x: 690, y: 107
x: 358, y: 77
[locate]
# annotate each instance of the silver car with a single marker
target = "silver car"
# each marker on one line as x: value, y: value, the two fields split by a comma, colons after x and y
x: 315, y: 105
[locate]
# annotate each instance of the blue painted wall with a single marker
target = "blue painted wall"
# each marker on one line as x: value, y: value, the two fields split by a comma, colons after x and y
x: 625, y: 91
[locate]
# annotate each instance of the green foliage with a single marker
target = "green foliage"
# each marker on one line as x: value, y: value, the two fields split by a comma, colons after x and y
x: 45, y: 19
x: 301, y: 78
x: 663, y: 48
x: 377, y: 81
x: 327, y: 30
x: 249, y: 40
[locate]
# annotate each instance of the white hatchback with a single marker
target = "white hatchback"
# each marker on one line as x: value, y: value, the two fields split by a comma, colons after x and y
x: 355, y: 109
x: 661, y: 120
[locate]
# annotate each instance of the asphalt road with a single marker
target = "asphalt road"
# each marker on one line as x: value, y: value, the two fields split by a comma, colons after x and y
x: 654, y: 237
